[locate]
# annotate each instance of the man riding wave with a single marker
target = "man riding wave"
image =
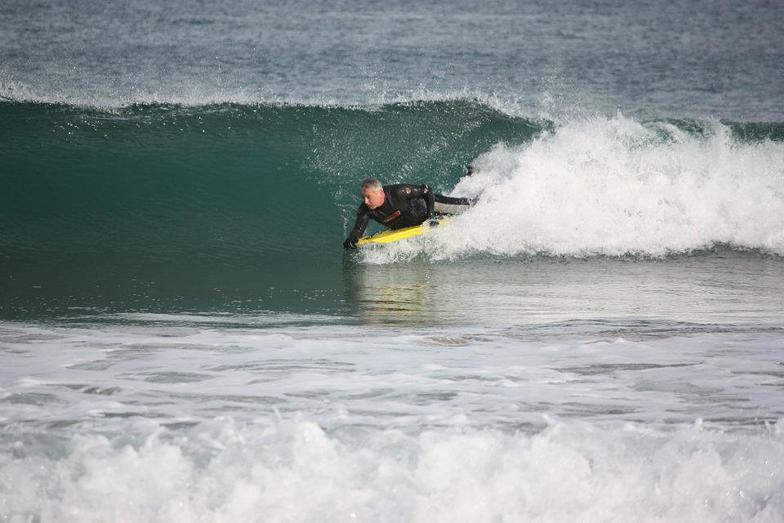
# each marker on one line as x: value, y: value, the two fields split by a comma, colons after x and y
x: 398, y: 206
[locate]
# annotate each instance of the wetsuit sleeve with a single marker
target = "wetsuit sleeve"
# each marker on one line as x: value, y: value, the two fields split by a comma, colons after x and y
x: 363, y: 216
x: 420, y: 191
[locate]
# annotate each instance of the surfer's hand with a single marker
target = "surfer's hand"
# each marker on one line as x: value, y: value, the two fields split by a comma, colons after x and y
x: 350, y: 243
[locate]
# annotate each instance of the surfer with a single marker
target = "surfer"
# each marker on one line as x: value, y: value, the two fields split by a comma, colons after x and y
x: 400, y: 205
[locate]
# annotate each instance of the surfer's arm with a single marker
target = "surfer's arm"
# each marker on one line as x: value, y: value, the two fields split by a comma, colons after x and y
x: 363, y: 216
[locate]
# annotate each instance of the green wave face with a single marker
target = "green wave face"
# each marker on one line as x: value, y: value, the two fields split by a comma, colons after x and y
x: 236, y: 207
x: 115, y: 207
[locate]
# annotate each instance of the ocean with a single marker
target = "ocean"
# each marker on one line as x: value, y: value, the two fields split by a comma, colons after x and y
x: 184, y: 339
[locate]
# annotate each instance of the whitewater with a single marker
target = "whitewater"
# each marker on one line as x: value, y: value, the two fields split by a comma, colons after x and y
x: 615, y: 187
x: 583, y: 420
x: 599, y: 338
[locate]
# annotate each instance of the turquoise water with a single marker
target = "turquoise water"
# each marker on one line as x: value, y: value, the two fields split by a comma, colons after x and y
x: 243, y: 208
x: 183, y: 338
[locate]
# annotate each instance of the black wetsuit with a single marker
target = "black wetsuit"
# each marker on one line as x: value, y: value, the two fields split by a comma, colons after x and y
x: 404, y: 205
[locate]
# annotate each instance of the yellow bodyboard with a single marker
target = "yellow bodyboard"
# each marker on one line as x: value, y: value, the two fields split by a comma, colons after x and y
x: 399, y: 234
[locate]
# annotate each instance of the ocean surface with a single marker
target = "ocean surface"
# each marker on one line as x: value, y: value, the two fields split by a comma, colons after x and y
x: 183, y: 338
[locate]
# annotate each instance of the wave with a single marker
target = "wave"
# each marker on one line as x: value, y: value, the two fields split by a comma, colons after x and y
x: 615, y: 187
x: 238, y: 185
x: 229, y: 176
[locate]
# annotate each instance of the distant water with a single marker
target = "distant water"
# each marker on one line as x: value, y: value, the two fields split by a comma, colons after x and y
x: 182, y: 337
x: 715, y: 59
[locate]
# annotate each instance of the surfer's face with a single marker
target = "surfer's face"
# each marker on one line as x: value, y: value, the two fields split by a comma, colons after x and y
x: 373, y: 199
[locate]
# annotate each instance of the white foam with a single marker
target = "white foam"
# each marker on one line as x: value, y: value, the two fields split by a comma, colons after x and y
x: 295, y: 471
x: 613, y: 186
x: 334, y: 423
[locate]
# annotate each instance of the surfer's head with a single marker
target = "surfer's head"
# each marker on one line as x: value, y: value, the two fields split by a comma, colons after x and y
x: 372, y: 193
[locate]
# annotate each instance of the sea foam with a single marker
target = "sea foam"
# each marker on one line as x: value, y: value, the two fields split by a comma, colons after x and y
x: 296, y: 471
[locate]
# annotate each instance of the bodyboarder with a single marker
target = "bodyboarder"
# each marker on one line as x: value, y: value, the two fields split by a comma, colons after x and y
x: 398, y: 206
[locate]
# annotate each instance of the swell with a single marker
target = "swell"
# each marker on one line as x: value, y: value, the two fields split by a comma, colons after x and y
x: 154, y: 202
x: 230, y: 196
x: 227, y: 181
